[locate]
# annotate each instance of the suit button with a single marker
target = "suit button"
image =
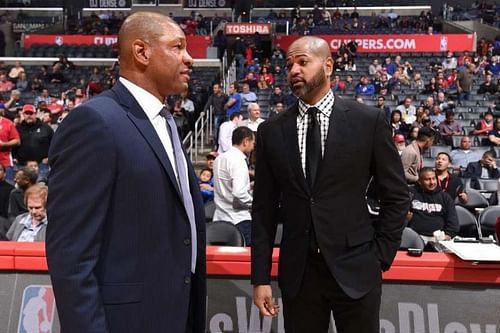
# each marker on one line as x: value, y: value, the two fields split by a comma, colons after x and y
x: 187, y: 280
x: 187, y: 241
x: 307, y: 231
x: 312, y: 201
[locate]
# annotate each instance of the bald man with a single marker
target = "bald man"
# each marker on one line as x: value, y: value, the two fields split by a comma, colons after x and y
x: 314, y: 163
x: 126, y: 238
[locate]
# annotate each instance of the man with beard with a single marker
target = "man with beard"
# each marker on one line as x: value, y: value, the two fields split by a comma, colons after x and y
x: 331, y: 258
x: 431, y: 208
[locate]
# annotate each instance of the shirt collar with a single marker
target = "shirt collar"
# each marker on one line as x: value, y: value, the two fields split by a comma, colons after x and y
x: 324, y: 105
x: 147, y: 101
x: 27, y: 222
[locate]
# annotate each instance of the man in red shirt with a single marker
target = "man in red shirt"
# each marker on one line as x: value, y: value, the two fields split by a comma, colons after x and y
x: 9, y: 137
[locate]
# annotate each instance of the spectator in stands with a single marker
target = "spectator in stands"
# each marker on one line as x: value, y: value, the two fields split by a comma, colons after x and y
x: 262, y: 84
x: 37, y: 85
x: 338, y: 86
x: 437, y: 116
x: 5, y: 84
x: 254, y: 119
x: 464, y: 155
x: 447, y: 181
x: 431, y: 208
x: 22, y: 83
x: 429, y: 104
x: 450, y: 62
x: 397, y: 125
x: 15, y: 71
x: 267, y: 76
x: 465, y: 58
x: 389, y: 66
x: 364, y: 87
x: 217, y: 101
x: 210, y: 160
x: 43, y: 75
x: 412, y: 136
x: 181, y: 118
x: 234, y: 102
x: 220, y: 42
x: 484, y: 127
x: 494, y: 66
x: 494, y: 134
x: 233, y: 198
x: 187, y: 106
x: 13, y: 105
x: 387, y: 110
x: 35, y: 139
x: 96, y: 75
x: 374, y: 67
x: 349, y: 83
x: 276, y: 110
x: 382, y: 83
x: 277, y: 96
x: 251, y: 80
x: 449, y: 128
x: 485, y: 168
x: 9, y: 138
x: 412, y: 158
x: 239, y: 51
x: 400, y: 142
x: 408, y: 110
x: 5, y: 189
x: 63, y: 63
x: 226, y: 131
x: 443, y: 102
x: 419, y: 116
x: 43, y: 97
x: 206, y: 184
x: 247, y: 96
x: 465, y: 81
x: 31, y: 226
x: 25, y: 178
x: 57, y: 75
x: 488, y: 86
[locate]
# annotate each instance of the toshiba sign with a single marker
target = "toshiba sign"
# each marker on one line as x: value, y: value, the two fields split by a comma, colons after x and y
x: 248, y: 28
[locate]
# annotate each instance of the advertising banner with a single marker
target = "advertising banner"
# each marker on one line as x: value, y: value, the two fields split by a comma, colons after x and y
x: 111, y: 4
x: 394, y: 43
x: 247, y: 28
x: 206, y: 4
x: 196, y: 45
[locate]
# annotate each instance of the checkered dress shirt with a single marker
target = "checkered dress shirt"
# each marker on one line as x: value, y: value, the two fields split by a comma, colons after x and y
x: 325, y: 107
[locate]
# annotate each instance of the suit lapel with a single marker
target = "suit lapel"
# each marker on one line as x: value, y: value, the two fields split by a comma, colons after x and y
x: 338, y: 130
x: 144, y: 126
x: 290, y: 136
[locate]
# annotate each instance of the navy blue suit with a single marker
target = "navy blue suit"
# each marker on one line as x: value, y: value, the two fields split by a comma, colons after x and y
x: 118, y: 241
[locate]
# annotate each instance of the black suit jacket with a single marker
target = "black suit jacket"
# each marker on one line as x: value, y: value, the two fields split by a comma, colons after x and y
x: 358, y: 147
x: 118, y: 240
x: 475, y: 170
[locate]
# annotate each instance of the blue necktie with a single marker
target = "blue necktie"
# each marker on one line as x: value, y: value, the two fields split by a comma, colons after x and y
x: 180, y: 165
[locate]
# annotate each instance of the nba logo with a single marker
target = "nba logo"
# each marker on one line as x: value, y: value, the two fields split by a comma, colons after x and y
x: 59, y: 40
x: 443, y: 44
x: 37, y: 310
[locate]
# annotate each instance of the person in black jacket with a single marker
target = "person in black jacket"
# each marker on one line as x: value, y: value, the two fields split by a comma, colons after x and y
x: 35, y: 140
x: 485, y: 168
x: 431, y: 208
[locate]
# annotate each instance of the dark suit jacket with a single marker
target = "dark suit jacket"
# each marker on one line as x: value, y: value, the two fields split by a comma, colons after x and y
x: 118, y: 241
x: 475, y: 169
x: 358, y: 146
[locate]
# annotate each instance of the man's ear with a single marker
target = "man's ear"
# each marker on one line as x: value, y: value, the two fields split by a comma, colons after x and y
x: 141, y: 51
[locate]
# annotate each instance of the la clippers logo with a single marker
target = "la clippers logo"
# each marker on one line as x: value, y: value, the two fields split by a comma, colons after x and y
x: 37, y: 310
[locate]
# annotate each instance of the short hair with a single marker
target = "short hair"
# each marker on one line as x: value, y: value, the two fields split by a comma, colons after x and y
x: 240, y: 134
x: 445, y: 153
x: 488, y: 113
x: 37, y: 190
x: 235, y: 114
x: 235, y: 85
x: 450, y: 114
x: 490, y: 153
x: 425, y: 133
x: 381, y: 97
x: 207, y: 169
x: 252, y: 106
x: 425, y: 170
x: 29, y: 173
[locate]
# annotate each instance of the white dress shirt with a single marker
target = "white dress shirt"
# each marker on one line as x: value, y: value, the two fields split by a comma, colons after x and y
x: 152, y: 107
x: 226, y: 136
x: 253, y: 125
x: 232, y: 187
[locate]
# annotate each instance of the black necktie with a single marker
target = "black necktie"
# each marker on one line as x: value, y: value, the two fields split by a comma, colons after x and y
x: 313, y: 147
x: 313, y: 159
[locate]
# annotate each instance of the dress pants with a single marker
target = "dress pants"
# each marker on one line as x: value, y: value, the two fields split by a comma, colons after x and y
x: 320, y: 294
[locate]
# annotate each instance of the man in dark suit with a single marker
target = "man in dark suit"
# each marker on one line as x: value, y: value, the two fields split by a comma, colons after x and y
x: 126, y: 239
x: 314, y: 163
x: 485, y: 168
